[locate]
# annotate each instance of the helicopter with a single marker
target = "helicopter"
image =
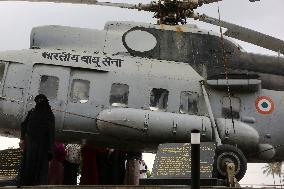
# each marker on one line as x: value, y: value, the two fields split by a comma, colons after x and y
x: 137, y: 85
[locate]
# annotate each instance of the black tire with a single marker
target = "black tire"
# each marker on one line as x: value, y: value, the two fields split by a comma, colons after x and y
x: 228, y: 153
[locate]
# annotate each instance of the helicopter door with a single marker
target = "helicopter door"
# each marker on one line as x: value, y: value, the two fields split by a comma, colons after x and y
x: 81, y: 108
x: 52, y: 81
x: 12, y: 97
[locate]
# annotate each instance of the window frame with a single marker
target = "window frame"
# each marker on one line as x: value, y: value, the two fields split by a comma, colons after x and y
x: 39, y: 87
x: 4, y: 71
x: 192, y: 111
x: 157, y: 108
x: 226, y: 109
x: 119, y: 104
x: 2, y: 81
x: 71, y: 98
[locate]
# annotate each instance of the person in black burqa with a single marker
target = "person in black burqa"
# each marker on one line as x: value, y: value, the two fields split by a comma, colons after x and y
x: 37, y: 142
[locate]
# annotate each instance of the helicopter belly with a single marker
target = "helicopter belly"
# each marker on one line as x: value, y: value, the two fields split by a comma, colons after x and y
x: 151, y: 126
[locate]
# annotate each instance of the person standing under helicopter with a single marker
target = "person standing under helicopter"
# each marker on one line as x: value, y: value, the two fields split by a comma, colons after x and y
x: 37, y: 141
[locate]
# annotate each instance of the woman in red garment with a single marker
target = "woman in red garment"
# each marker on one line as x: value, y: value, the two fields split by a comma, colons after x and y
x: 89, y: 175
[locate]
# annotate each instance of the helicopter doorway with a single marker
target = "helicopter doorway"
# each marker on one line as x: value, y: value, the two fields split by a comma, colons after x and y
x: 52, y: 81
x: 81, y: 108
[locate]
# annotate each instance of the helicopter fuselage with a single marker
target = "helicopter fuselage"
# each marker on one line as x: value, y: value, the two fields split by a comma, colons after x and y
x: 123, y: 101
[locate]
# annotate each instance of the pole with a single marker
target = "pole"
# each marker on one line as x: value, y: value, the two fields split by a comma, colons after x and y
x: 195, y: 159
x: 211, y: 116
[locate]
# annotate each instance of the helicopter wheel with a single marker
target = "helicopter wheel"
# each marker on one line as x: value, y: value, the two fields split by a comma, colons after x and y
x: 229, y: 154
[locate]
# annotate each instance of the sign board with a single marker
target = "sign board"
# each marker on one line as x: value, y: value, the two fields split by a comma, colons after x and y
x: 173, y: 160
x: 9, y: 163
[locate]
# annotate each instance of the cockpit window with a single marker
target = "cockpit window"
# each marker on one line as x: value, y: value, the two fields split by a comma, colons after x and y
x: 80, y: 91
x: 159, y: 99
x: 119, y: 94
x: 49, y: 86
x: 188, y: 102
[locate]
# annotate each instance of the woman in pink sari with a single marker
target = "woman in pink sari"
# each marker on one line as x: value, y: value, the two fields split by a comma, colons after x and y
x: 56, y: 165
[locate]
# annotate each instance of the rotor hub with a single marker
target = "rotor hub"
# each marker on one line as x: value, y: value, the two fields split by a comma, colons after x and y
x: 172, y: 12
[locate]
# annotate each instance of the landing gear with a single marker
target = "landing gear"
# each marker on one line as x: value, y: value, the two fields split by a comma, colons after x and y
x: 226, y: 155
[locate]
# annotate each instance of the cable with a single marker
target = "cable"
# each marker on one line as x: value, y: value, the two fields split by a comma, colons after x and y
x: 225, y: 61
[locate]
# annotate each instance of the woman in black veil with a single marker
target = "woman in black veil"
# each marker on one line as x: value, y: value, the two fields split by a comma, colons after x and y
x: 37, y: 142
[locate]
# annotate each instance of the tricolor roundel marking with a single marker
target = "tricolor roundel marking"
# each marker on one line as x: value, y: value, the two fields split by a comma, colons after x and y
x: 264, y: 105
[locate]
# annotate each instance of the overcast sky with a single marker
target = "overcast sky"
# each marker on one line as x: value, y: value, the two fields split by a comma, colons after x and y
x: 18, y: 18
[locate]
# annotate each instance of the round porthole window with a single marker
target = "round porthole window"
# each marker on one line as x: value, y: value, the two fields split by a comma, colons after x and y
x: 141, y: 41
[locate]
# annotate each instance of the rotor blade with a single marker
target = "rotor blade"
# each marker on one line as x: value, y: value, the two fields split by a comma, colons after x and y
x: 208, y: 1
x: 60, y: 1
x: 120, y: 5
x: 247, y: 35
x: 213, y: 1
x: 89, y: 2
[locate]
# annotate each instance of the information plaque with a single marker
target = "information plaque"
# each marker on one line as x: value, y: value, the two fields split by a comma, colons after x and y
x: 9, y: 163
x: 173, y: 160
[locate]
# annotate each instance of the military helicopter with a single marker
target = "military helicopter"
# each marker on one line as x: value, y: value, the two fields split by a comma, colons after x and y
x: 137, y: 85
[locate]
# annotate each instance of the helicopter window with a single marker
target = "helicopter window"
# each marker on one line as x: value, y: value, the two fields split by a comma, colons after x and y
x: 2, y: 69
x: 159, y: 99
x: 49, y: 86
x: 119, y: 94
x: 236, y: 107
x: 80, y: 91
x: 188, y: 102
